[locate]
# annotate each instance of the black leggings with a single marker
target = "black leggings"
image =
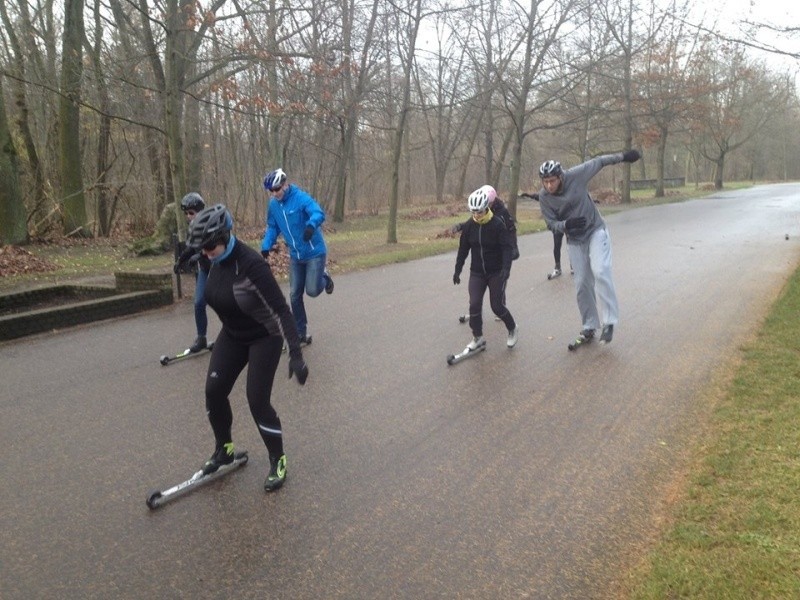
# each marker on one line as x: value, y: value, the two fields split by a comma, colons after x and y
x: 228, y: 358
x: 557, y: 239
x: 497, y: 293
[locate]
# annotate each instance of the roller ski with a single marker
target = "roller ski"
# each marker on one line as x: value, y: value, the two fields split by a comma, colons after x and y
x: 584, y: 337
x: 476, y: 346
x: 464, y: 318
x: 224, y: 461
x: 197, y: 348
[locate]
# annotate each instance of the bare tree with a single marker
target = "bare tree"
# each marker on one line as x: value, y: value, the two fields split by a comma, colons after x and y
x: 743, y: 99
x: 13, y: 229
x: 354, y: 90
x: 620, y: 17
x: 408, y: 18
x: 541, y: 30
x: 444, y: 92
x: 74, y: 199
x: 665, y: 86
x: 22, y: 49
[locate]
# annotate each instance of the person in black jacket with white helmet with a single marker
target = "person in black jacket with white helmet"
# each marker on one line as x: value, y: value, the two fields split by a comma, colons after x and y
x: 255, y: 319
x: 490, y: 243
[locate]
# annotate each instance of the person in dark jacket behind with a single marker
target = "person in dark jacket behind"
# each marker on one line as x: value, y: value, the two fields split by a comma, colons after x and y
x: 558, y: 238
x: 191, y: 204
x: 255, y: 319
x: 490, y: 243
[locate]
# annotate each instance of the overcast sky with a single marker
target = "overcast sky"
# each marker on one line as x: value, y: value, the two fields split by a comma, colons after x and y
x: 729, y: 15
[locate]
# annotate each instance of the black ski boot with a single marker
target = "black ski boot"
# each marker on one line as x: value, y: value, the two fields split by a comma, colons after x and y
x: 584, y: 337
x: 199, y: 344
x: 608, y: 333
x: 223, y: 455
x: 277, y: 473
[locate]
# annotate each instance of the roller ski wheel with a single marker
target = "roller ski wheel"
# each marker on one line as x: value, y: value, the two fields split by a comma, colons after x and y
x: 584, y: 337
x: 463, y: 319
x: 166, y: 360
x: 157, y: 498
x: 454, y: 359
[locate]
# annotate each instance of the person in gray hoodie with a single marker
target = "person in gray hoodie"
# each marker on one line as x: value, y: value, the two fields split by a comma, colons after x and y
x: 567, y: 208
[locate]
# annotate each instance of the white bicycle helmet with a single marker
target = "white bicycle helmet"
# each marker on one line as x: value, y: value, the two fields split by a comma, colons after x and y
x: 478, y: 200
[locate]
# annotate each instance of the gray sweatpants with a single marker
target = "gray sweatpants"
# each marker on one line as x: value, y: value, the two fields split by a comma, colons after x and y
x: 591, y: 261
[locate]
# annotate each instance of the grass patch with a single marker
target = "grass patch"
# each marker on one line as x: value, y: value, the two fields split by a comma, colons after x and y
x: 358, y: 243
x: 736, y: 531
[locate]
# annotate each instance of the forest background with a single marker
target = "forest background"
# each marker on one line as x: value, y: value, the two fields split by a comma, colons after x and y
x: 112, y: 109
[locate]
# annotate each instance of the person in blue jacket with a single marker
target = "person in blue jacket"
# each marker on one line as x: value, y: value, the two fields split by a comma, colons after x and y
x: 293, y: 213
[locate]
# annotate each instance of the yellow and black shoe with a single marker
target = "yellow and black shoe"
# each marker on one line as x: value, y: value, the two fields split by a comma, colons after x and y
x: 223, y: 455
x: 277, y: 473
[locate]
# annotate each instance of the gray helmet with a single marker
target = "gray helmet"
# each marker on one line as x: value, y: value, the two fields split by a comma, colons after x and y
x: 550, y: 168
x: 210, y: 227
x: 193, y: 201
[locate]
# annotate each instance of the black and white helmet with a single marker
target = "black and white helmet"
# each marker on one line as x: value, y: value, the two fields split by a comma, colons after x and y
x: 479, y: 200
x: 211, y: 226
x: 550, y: 168
x: 193, y: 201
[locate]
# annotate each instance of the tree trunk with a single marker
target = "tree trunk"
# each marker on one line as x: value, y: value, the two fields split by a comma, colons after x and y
x: 74, y: 216
x: 13, y: 229
x: 103, y: 211
x: 19, y: 57
x: 397, y: 146
x: 194, y: 148
x: 660, y: 158
x: 719, y: 167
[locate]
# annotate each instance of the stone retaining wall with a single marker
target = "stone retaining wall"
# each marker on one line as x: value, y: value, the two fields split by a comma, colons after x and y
x: 134, y: 292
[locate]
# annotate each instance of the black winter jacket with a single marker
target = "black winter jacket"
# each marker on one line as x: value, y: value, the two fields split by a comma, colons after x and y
x: 491, y: 246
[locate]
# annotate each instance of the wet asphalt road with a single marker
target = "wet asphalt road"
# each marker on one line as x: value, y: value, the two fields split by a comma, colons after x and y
x: 532, y: 473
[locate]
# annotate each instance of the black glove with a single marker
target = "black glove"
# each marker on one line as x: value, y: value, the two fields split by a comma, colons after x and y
x: 456, y: 278
x: 515, y: 253
x: 307, y: 233
x: 534, y: 196
x: 631, y: 156
x: 193, y: 259
x: 186, y: 255
x: 298, y: 368
x: 265, y: 254
x: 575, y: 225
x: 503, y: 274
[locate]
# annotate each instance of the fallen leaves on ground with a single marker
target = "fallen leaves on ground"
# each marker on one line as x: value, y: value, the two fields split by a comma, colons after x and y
x: 18, y: 261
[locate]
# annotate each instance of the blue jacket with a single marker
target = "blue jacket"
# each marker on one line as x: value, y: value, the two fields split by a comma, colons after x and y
x: 290, y: 216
